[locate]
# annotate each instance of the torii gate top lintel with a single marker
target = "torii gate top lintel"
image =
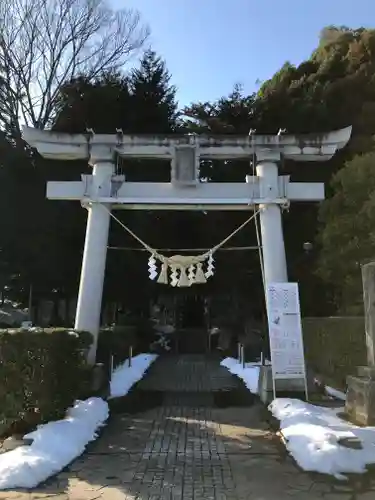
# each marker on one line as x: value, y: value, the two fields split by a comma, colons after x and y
x: 308, y: 147
x: 184, y: 153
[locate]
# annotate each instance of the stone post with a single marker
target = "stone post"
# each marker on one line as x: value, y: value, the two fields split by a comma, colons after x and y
x: 368, y: 279
x: 360, y: 399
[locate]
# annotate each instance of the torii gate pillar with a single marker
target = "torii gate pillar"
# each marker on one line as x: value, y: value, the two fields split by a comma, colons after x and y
x: 275, y: 269
x: 94, y: 256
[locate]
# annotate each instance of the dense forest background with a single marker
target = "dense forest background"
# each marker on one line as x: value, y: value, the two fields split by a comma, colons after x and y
x: 41, y: 241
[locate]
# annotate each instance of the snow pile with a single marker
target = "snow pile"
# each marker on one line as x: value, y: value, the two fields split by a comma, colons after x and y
x: 335, y: 393
x: 125, y: 376
x: 330, y: 391
x: 55, y: 445
x: 313, y: 436
x: 249, y: 374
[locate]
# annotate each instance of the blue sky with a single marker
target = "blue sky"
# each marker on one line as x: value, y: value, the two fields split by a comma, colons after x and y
x: 209, y: 45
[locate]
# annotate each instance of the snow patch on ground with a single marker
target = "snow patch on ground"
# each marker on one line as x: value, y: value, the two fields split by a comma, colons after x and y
x: 312, y: 435
x: 55, y: 445
x: 125, y: 376
x: 335, y: 393
x: 249, y: 374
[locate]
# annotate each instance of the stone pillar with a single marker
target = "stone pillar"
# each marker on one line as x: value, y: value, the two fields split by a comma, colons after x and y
x: 360, y: 398
x: 94, y: 257
x: 275, y: 268
x: 368, y: 280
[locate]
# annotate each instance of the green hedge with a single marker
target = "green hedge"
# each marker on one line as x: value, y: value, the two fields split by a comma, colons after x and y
x: 42, y: 373
x: 335, y: 346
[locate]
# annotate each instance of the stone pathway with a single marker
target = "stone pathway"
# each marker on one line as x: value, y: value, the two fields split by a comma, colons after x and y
x: 190, y: 451
x: 189, y: 373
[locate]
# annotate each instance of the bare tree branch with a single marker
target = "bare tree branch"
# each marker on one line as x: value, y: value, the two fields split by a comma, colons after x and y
x: 44, y: 43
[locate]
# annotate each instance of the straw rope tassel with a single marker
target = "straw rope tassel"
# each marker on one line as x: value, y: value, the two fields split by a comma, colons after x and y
x: 199, y: 275
x: 163, y: 276
x: 184, y: 280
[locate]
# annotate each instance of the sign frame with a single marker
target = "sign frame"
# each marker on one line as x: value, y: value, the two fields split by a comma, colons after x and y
x: 285, y: 333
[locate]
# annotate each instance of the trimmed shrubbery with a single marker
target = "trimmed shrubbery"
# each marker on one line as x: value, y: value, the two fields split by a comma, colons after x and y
x: 42, y: 373
x: 334, y: 347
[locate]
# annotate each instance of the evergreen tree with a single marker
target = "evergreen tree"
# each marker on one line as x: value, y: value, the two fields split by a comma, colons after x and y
x: 154, y: 107
x: 332, y: 89
x: 152, y: 110
x: 110, y: 102
x: 98, y: 104
x: 347, y: 235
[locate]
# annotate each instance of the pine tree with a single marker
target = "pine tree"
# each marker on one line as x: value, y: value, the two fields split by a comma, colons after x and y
x: 141, y: 102
x: 153, y: 97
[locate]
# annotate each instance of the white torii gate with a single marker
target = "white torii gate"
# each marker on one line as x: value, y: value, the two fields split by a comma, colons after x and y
x: 185, y: 192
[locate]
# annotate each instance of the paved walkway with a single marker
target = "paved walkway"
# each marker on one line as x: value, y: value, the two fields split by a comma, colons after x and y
x: 190, y: 452
x: 189, y: 373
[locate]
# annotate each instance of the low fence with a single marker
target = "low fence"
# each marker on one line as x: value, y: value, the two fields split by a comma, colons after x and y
x: 334, y: 346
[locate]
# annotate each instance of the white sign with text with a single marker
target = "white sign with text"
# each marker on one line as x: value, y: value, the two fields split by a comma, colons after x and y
x: 285, y: 331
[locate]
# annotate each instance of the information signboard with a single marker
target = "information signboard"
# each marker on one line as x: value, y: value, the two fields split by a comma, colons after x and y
x: 285, y: 331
